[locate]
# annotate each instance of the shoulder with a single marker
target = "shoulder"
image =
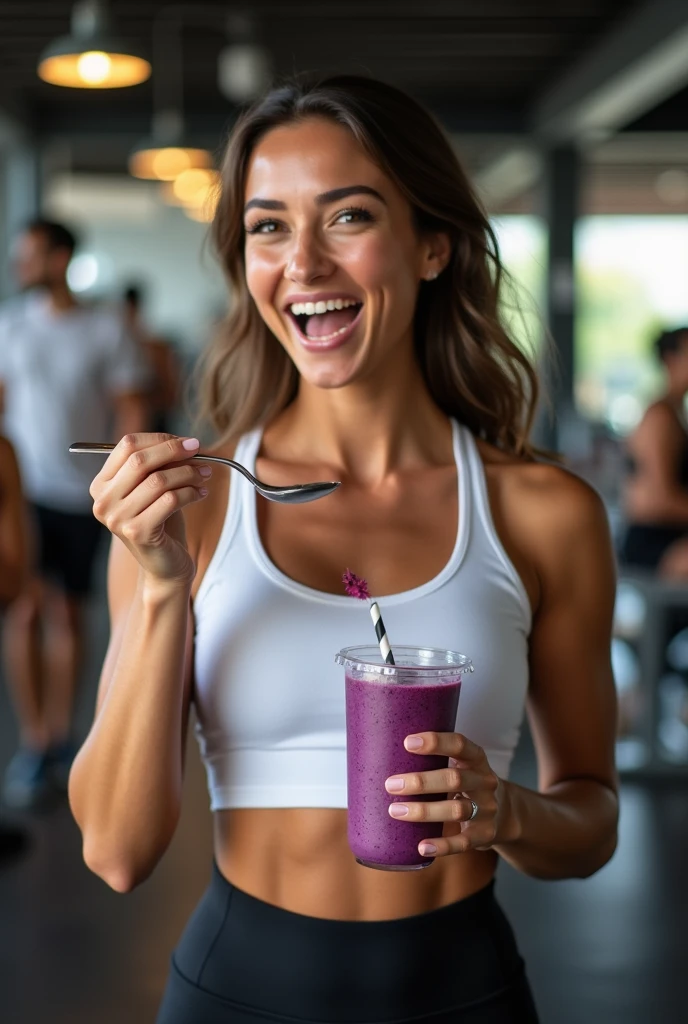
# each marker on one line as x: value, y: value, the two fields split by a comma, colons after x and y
x: 546, y: 491
x: 659, y: 419
x: 547, y: 515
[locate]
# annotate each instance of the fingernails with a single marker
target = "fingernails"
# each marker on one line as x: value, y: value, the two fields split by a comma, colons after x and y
x: 427, y: 849
x: 398, y: 810
x: 413, y: 742
x: 394, y: 785
x: 203, y: 491
x: 205, y: 471
x: 191, y: 443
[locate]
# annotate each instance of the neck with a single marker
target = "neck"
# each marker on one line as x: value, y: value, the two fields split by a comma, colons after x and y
x: 61, y: 298
x: 369, y: 429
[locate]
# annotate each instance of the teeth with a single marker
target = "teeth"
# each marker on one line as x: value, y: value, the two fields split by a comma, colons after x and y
x: 313, y: 308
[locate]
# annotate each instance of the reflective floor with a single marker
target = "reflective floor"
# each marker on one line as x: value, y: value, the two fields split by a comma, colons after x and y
x: 610, y: 949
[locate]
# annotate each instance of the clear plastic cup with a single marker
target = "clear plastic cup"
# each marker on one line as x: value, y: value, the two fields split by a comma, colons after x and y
x: 385, y: 704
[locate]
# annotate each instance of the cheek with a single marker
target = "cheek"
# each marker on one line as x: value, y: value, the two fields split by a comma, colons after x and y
x: 381, y: 262
x: 261, y: 275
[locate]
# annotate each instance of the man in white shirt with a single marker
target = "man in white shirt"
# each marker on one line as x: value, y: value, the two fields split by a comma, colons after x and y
x: 68, y: 372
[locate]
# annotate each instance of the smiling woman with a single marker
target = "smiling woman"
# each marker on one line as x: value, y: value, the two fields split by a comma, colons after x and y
x: 365, y: 346
x: 412, y: 181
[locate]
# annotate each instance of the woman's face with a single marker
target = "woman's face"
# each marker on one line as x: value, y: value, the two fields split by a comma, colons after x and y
x: 333, y: 259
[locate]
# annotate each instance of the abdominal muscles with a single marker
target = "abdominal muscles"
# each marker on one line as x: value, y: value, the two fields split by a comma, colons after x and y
x: 299, y: 859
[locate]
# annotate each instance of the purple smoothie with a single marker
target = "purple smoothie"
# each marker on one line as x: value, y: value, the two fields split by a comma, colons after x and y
x: 381, y: 711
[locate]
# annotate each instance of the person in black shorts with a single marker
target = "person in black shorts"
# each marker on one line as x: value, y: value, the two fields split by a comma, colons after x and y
x: 68, y: 372
x: 67, y: 544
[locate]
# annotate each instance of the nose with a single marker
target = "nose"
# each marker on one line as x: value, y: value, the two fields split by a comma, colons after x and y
x: 307, y: 260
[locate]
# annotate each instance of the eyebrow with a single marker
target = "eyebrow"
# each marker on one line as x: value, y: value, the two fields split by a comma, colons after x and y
x: 323, y: 199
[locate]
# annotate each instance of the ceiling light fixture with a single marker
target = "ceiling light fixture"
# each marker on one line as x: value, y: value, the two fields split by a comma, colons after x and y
x: 244, y: 68
x: 92, y: 57
x: 165, y: 155
x: 167, y: 152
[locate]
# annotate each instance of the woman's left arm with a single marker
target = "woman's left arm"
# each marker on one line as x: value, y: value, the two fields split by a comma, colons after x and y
x: 568, y: 828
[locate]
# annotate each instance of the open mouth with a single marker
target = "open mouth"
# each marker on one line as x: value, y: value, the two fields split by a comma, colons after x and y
x: 325, y: 321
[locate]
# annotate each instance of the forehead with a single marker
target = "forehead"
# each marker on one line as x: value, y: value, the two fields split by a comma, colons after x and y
x: 311, y: 156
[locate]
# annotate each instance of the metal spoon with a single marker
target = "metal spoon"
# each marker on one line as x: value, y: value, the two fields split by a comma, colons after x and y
x: 296, y: 494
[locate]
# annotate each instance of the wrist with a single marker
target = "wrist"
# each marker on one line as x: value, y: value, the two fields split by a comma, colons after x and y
x: 509, y: 830
x: 155, y: 592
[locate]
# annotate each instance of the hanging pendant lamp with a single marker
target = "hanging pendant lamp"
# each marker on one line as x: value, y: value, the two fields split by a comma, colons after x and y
x: 165, y: 155
x: 92, y: 57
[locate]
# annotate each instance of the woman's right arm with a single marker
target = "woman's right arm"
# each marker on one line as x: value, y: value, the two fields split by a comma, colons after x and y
x: 126, y: 782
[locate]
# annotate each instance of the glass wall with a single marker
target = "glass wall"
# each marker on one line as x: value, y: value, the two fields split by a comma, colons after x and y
x: 632, y: 282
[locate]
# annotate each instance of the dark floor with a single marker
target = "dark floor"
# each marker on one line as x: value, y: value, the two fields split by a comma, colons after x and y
x: 610, y: 949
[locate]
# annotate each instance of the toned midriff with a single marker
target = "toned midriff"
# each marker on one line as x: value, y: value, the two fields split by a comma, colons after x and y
x: 299, y: 859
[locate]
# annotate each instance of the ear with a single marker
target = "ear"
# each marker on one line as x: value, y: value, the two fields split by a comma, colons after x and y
x: 436, y: 255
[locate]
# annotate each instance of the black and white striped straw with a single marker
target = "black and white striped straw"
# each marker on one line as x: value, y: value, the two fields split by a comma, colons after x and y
x: 381, y: 634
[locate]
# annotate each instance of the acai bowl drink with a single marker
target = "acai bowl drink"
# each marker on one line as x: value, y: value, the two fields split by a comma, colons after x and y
x: 385, y: 703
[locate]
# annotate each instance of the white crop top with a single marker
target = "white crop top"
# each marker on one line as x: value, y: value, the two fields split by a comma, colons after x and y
x: 269, y: 697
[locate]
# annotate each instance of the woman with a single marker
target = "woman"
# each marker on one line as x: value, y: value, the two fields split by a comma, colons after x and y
x: 656, y: 491
x: 364, y: 346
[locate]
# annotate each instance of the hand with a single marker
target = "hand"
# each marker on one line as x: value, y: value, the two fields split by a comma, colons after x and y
x: 139, y: 493
x: 470, y: 777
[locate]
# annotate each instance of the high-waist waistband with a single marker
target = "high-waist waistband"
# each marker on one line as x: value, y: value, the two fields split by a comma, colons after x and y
x: 251, y: 958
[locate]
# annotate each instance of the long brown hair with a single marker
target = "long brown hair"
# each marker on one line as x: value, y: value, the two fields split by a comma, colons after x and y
x: 472, y: 368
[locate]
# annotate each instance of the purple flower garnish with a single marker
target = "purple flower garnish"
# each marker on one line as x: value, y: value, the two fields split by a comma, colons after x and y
x: 355, y: 586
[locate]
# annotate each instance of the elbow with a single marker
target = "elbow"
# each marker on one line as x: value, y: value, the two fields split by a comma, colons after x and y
x: 120, y: 873
x: 601, y: 856
x: 597, y: 856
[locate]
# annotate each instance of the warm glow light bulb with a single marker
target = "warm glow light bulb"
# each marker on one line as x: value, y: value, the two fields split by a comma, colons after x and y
x: 170, y: 162
x: 192, y: 186
x: 94, y: 67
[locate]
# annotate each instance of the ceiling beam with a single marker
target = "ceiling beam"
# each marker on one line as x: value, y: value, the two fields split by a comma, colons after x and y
x: 641, y: 62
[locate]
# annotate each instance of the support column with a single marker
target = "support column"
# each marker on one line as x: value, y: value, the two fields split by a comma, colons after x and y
x: 560, y: 211
x: 20, y: 193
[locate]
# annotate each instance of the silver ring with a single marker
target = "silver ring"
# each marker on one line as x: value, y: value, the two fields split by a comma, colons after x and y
x: 474, y: 811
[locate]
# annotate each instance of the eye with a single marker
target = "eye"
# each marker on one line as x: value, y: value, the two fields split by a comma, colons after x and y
x: 354, y: 215
x: 267, y: 226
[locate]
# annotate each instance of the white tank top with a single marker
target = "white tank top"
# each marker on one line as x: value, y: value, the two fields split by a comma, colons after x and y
x: 269, y: 697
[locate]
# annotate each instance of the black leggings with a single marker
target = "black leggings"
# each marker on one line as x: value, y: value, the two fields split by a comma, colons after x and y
x: 243, y: 961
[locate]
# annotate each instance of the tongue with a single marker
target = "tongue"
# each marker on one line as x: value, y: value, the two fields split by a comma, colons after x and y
x: 322, y: 324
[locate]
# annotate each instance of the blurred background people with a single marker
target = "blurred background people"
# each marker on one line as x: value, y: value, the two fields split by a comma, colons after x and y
x: 14, y: 563
x: 69, y: 372
x: 655, y: 508
x: 655, y: 496
x: 165, y: 388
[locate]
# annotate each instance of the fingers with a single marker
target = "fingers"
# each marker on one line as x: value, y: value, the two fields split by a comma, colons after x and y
x: 451, y: 744
x: 145, y: 529
x: 443, y: 780
x: 438, y: 810
x: 186, y: 482
x: 468, y: 775
x: 138, y: 455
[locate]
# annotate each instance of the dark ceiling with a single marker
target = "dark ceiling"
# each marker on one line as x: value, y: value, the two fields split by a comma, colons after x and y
x: 480, y: 63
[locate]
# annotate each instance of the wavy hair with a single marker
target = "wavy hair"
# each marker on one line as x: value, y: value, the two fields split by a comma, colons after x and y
x: 472, y: 368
